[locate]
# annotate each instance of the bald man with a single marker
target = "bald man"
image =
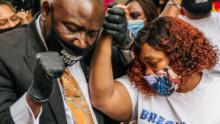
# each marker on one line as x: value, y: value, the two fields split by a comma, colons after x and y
x: 42, y: 75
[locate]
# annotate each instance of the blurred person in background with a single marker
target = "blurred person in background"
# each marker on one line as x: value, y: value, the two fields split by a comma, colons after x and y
x: 8, y: 17
x: 199, y: 14
x: 160, y: 4
x: 25, y: 16
x: 216, y: 6
x: 143, y: 10
x: 125, y: 20
x: 25, y: 9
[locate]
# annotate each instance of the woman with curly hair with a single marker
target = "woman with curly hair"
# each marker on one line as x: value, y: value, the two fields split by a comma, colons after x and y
x: 166, y: 84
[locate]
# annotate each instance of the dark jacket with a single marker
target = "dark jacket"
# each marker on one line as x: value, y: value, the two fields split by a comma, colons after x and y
x: 17, y: 59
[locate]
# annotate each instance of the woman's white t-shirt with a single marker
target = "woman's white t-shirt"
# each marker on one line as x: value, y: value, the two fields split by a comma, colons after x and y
x: 199, y: 106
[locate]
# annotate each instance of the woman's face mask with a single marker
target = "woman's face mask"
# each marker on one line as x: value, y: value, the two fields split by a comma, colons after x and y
x: 163, y: 82
x: 134, y: 26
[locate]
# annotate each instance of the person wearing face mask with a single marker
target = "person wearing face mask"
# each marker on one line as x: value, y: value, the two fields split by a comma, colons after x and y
x: 42, y: 75
x: 8, y: 17
x: 167, y: 83
x: 124, y: 22
x: 25, y: 9
x: 139, y: 14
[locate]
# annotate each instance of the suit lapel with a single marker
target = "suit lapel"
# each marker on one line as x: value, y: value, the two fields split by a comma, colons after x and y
x: 34, y: 45
x: 56, y: 103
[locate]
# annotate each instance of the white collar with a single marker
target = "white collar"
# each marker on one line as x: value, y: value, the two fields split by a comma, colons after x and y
x: 40, y: 32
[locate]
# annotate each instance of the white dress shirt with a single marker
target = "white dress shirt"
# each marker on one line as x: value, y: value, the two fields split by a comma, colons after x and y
x: 20, y: 110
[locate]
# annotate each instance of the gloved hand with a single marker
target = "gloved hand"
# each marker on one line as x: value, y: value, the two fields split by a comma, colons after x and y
x: 49, y: 66
x: 116, y: 25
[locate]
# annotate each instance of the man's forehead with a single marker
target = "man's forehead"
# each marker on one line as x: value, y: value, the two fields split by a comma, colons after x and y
x: 85, y: 12
x: 74, y: 3
x: 82, y: 7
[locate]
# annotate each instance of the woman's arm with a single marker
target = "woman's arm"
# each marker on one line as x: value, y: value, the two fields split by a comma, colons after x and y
x: 172, y: 9
x: 107, y: 95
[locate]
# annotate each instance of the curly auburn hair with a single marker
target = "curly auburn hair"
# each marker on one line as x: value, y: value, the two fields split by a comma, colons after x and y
x: 188, y: 50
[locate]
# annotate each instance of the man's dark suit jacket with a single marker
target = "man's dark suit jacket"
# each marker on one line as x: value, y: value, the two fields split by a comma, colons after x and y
x: 17, y: 59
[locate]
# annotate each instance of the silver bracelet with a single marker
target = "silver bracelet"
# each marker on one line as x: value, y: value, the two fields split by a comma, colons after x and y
x: 129, y: 43
x: 174, y: 4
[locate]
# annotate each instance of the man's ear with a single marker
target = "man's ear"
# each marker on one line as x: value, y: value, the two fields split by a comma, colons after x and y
x: 46, y: 8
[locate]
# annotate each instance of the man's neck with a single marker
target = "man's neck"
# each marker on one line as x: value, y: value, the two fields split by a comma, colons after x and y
x: 191, y: 83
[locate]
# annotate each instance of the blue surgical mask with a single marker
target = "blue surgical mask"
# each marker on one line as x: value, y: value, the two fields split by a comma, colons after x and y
x: 163, y: 82
x: 134, y: 26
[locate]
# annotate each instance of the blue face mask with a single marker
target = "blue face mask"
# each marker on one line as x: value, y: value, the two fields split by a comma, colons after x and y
x: 163, y: 82
x: 134, y: 26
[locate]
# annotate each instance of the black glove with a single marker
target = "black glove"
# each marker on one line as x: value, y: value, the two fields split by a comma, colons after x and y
x: 49, y: 66
x: 116, y: 25
x: 112, y: 4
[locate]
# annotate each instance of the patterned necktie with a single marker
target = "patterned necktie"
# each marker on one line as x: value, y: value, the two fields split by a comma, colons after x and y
x: 75, y: 99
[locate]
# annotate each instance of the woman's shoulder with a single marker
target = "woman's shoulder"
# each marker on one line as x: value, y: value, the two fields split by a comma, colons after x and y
x: 124, y: 79
x: 126, y: 82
